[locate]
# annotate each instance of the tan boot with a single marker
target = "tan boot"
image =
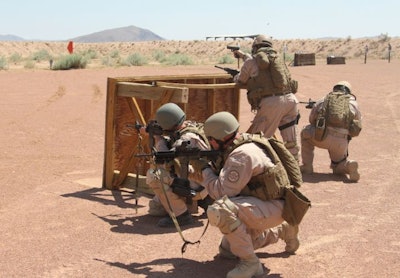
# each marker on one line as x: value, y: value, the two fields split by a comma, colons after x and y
x: 289, y: 234
x: 156, y: 208
x: 247, y: 267
x: 306, y: 169
x: 352, y: 170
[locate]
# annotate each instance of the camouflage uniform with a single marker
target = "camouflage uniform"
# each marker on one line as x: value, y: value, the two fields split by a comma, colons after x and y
x: 336, y: 142
x: 177, y: 203
x: 276, y: 110
x: 259, y: 220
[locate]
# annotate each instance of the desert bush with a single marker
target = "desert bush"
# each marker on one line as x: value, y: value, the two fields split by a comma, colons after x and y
x: 177, y: 59
x: 226, y: 59
x: 15, y: 58
x: 135, y: 59
x: 159, y: 55
x: 115, y: 54
x: 3, y: 63
x: 41, y: 55
x: 109, y: 61
x: 89, y: 54
x: 383, y: 37
x: 29, y: 64
x: 70, y: 61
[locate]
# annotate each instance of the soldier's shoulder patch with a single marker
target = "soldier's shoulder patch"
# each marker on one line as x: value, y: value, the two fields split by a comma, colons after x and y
x: 233, y: 176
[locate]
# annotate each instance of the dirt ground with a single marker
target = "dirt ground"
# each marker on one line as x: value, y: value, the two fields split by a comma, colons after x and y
x: 57, y: 221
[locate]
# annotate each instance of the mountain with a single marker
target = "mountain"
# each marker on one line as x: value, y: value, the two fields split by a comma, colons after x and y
x: 10, y: 38
x: 123, y: 34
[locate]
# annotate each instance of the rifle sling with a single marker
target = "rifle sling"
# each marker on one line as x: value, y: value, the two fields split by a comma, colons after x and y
x: 178, y: 228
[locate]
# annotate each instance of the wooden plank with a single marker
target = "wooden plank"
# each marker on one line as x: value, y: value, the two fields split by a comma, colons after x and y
x: 197, y: 86
x: 109, y: 135
x: 150, y: 92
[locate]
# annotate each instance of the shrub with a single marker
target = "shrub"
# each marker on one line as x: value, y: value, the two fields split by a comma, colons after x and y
x: 71, y: 61
x: 15, y: 58
x: 135, y: 60
x: 178, y: 59
x: 89, y: 54
x: 29, y: 64
x: 159, y: 55
x: 108, y: 61
x: 3, y: 63
x: 114, y: 54
x: 226, y: 59
x: 41, y: 55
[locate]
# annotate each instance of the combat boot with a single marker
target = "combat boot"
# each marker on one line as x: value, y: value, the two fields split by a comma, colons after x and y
x: 183, y: 220
x: 156, y: 208
x: 247, y: 267
x: 352, y: 170
x: 306, y: 169
x: 289, y: 234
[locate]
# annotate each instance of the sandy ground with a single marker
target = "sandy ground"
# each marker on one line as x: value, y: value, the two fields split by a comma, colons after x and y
x: 57, y: 221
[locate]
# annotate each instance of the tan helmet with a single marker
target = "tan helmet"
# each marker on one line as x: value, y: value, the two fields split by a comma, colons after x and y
x: 262, y: 40
x: 341, y: 84
x: 169, y: 116
x: 220, y: 125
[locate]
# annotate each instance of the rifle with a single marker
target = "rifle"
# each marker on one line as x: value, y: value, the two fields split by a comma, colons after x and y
x: 310, y: 103
x: 232, y: 72
x: 185, y: 153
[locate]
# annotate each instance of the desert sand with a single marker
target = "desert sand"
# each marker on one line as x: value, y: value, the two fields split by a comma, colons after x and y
x: 58, y: 221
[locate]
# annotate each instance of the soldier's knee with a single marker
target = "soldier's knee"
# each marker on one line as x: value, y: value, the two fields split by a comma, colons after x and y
x: 306, y: 132
x: 223, y: 214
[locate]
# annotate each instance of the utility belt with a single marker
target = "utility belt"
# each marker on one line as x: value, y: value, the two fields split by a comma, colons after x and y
x: 254, y: 97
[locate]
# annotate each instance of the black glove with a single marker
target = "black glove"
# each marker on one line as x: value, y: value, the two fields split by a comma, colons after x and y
x: 181, y: 187
x: 154, y: 128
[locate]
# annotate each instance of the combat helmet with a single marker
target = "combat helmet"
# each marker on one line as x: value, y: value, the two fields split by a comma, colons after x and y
x: 343, y: 86
x: 262, y: 40
x: 169, y: 116
x: 221, y: 124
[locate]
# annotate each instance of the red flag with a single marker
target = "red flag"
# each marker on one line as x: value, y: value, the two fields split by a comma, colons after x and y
x: 70, y: 47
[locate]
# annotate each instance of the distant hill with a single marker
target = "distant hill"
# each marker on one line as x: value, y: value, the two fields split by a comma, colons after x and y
x: 10, y: 38
x: 123, y: 34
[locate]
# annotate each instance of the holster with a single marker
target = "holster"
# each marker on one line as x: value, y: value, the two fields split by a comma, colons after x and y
x: 320, y: 129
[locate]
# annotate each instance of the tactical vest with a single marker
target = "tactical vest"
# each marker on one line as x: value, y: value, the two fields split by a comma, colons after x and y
x: 272, y: 182
x: 273, y: 78
x: 336, y: 110
x: 193, y: 127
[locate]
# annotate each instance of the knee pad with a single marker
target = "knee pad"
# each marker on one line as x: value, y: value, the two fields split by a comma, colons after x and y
x: 223, y: 214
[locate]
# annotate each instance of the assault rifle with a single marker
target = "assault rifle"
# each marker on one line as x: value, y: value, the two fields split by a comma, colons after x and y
x: 232, y: 72
x: 310, y: 103
x: 185, y: 153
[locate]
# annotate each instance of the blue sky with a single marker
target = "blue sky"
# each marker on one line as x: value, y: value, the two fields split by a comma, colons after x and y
x: 195, y: 20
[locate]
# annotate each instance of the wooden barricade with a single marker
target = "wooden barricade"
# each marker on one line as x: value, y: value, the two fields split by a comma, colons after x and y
x: 133, y: 101
x: 334, y: 60
x: 301, y: 59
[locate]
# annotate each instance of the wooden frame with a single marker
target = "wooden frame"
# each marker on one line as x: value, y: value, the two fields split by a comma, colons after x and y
x: 132, y: 101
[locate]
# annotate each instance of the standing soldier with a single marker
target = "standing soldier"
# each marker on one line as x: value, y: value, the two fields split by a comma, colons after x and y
x: 334, y: 121
x: 251, y: 186
x: 270, y: 92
